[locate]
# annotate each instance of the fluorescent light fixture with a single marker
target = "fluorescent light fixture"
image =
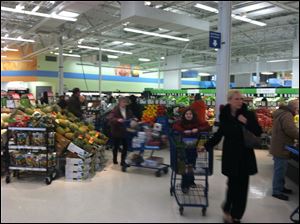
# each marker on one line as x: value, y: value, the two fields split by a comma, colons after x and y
x: 80, y: 41
x: 147, y: 3
x: 204, y: 74
x: 184, y: 70
x: 207, y: 8
x: 128, y: 44
x: 2, y: 41
x: 216, y: 49
x: 116, y: 42
x: 8, y: 49
x: 52, y: 2
x: 20, y: 7
x: 6, y: 35
x: 281, y: 60
x: 35, y: 9
x: 3, y: 56
x: 252, y: 7
x: 144, y: 59
x: 245, y: 19
x: 295, y: 59
x: 17, y: 39
x: 162, y: 58
x: 264, y: 12
x: 103, y: 49
x: 70, y: 51
x: 155, y: 34
x: 158, y: 6
x: 68, y: 14
x: 267, y: 73
x: 51, y: 52
x: 112, y: 56
x: 53, y: 15
x: 70, y: 55
x: 17, y: 60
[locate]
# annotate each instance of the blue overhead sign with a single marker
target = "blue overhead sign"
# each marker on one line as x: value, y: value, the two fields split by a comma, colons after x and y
x: 214, y: 39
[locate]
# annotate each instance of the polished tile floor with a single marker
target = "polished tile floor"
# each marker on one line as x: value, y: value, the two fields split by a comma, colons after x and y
x: 137, y: 196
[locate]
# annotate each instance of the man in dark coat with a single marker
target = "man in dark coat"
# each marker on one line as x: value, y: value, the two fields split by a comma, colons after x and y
x: 238, y: 162
x: 117, y: 119
x: 74, y: 104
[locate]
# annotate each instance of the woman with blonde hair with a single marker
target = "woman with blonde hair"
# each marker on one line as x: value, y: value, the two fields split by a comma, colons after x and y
x: 238, y: 161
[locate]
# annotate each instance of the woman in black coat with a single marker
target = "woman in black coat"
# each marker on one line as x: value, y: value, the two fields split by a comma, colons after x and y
x: 238, y: 162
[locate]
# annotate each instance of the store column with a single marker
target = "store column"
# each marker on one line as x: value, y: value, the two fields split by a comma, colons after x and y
x: 60, y: 67
x: 172, y: 78
x: 100, y: 70
x: 224, y: 55
x: 257, y: 71
x: 295, y: 77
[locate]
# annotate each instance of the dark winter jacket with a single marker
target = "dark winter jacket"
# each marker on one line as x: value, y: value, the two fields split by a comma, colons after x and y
x: 74, y: 106
x: 236, y: 158
x: 284, y: 131
x: 118, y: 129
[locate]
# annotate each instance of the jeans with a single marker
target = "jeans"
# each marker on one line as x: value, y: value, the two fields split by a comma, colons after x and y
x: 280, y: 167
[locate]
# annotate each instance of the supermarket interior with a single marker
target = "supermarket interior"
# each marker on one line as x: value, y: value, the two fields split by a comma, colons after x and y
x: 149, y: 111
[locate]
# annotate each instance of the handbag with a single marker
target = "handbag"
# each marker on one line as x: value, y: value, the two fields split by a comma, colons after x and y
x: 251, y: 140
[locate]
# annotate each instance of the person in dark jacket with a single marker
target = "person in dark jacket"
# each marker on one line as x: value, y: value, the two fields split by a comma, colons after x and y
x: 135, y: 107
x: 116, y: 118
x: 44, y: 99
x: 62, y: 102
x: 238, y: 162
x: 189, y: 127
x: 284, y: 132
x: 74, y: 104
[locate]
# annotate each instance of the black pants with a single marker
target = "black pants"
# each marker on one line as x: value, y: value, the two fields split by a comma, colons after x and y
x: 236, y: 198
x: 117, y: 143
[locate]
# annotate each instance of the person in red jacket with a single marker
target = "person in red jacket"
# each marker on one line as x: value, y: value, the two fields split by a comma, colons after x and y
x: 199, y: 107
x: 189, y: 127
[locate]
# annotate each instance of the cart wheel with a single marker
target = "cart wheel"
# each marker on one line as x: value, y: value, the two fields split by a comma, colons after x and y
x: 48, y: 180
x: 203, y: 211
x: 124, y: 168
x: 54, y: 174
x: 158, y: 173
x: 171, y: 191
x: 181, y: 210
x: 7, y: 179
x: 166, y: 170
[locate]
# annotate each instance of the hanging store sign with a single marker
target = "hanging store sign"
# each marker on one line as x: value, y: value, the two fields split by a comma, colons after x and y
x: 265, y: 91
x: 214, y: 39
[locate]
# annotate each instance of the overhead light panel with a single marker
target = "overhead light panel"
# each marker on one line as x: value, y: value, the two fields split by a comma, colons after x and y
x: 69, y: 55
x: 245, y: 19
x: 207, y: 8
x: 242, y: 18
x: 112, y: 56
x: 35, y: 9
x: 8, y: 49
x: 53, y: 15
x: 103, y: 49
x: 128, y: 44
x: 20, y: 7
x: 204, y: 74
x: 155, y: 34
x: 147, y: 3
x: 267, y: 73
x: 162, y: 58
x: 144, y: 59
x: 184, y: 70
x: 116, y: 42
x: 68, y: 14
x: 3, y: 56
x: 281, y: 60
x: 17, y: 39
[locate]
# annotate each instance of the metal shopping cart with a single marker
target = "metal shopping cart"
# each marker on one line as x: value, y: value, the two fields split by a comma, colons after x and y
x: 295, y: 213
x: 138, y: 160
x: 197, y: 195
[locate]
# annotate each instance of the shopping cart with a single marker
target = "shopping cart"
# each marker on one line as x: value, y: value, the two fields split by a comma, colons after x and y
x: 197, y: 195
x: 153, y: 162
x: 295, y: 213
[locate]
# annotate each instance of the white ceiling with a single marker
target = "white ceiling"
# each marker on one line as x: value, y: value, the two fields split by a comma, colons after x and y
x: 102, y: 20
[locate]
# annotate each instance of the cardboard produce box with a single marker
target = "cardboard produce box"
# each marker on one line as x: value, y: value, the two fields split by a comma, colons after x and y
x: 77, y: 168
x: 77, y: 175
x: 79, y: 151
x: 78, y: 161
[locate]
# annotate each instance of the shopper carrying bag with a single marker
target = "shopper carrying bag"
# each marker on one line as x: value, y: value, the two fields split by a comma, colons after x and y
x: 238, y: 161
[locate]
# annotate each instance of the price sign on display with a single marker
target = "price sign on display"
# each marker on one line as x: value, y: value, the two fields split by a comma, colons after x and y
x: 30, y: 96
x: 192, y: 91
x: 266, y: 91
x: 15, y: 96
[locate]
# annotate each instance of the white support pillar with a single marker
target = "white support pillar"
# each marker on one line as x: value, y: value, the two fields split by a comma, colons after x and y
x: 257, y: 70
x: 60, y: 67
x: 100, y: 72
x: 172, y: 78
x: 295, y: 77
x: 224, y: 55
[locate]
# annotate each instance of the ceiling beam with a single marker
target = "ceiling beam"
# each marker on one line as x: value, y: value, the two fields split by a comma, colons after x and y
x: 283, y: 6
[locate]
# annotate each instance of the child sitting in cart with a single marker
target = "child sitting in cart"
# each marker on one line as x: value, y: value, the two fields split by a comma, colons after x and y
x: 189, y: 127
